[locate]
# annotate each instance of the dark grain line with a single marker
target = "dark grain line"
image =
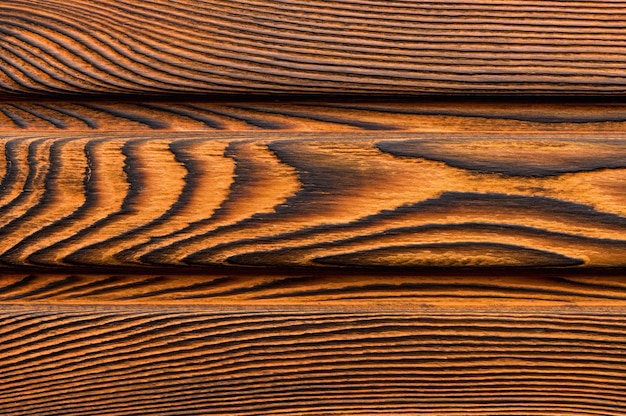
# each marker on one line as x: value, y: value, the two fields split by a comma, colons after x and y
x: 17, y: 121
x: 92, y: 124
x: 192, y: 115
x: 56, y: 123
x: 258, y: 121
x: 330, y: 119
x: 150, y: 122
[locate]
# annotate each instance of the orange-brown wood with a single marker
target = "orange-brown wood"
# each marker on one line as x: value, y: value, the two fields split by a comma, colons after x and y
x: 336, y: 116
x: 370, y: 47
x: 292, y: 198
x: 425, y: 293
x: 155, y: 361
x: 253, y: 207
x: 335, y: 343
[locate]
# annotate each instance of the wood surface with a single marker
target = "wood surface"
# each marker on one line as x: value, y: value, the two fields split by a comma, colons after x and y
x: 164, y: 361
x: 286, y: 198
x: 345, y: 115
x: 353, y: 257
x: 392, y: 291
x: 307, y: 207
x: 306, y: 344
x: 373, y: 47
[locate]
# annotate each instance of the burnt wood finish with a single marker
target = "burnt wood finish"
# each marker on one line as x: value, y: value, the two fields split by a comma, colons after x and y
x: 310, y: 207
x: 341, y: 115
x: 313, y: 199
x: 424, y: 293
x: 286, y: 198
x: 353, y: 257
x: 164, y: 361
x: 370, y: 47
x: 346, y: 344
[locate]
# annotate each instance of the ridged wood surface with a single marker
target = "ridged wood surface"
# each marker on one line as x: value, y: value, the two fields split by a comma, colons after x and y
x: 336, y: 116
x: 167, y: 361
x: 291, y: 199
x: 243, y: 208
x: 551, y: 292
x: 370, y: 47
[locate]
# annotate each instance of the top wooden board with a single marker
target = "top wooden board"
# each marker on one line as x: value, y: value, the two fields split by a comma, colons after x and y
x: 373, y: 47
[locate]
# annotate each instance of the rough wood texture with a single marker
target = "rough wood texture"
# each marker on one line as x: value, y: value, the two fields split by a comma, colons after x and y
x: 426, y: 293
x: 240, y: 207
x: 338, y: 116
x: 167, y: 361
x: 313, y: 199
x: 49, y: 47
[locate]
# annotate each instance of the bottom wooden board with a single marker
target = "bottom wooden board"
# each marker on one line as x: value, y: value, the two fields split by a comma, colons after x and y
x: 172, y: 362
x: 359, y: 344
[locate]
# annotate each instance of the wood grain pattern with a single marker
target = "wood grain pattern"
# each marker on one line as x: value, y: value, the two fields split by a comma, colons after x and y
x: 243, y: 207
x: 337, y: 116
x: 447, y: 291
x: 291, y: 199
x: 107, y: 361
x: 372, y: 47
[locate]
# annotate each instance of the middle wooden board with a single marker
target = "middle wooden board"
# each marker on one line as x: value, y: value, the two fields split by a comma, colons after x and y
x: 288, y: 199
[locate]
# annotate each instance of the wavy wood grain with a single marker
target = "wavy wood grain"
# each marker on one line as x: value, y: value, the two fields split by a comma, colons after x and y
x: 179, y: 237
x: 293, y: 199
x: 156, y: 47
x: 103, y: 361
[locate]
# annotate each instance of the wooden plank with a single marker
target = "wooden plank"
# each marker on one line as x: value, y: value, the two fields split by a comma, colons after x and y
x: 161, y: 361
x: 242, y: 207
x: 350, y: 343
x: 372, y: 47
x: 292, y: 290
x: 296, y: 199
x: 336, y: 116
